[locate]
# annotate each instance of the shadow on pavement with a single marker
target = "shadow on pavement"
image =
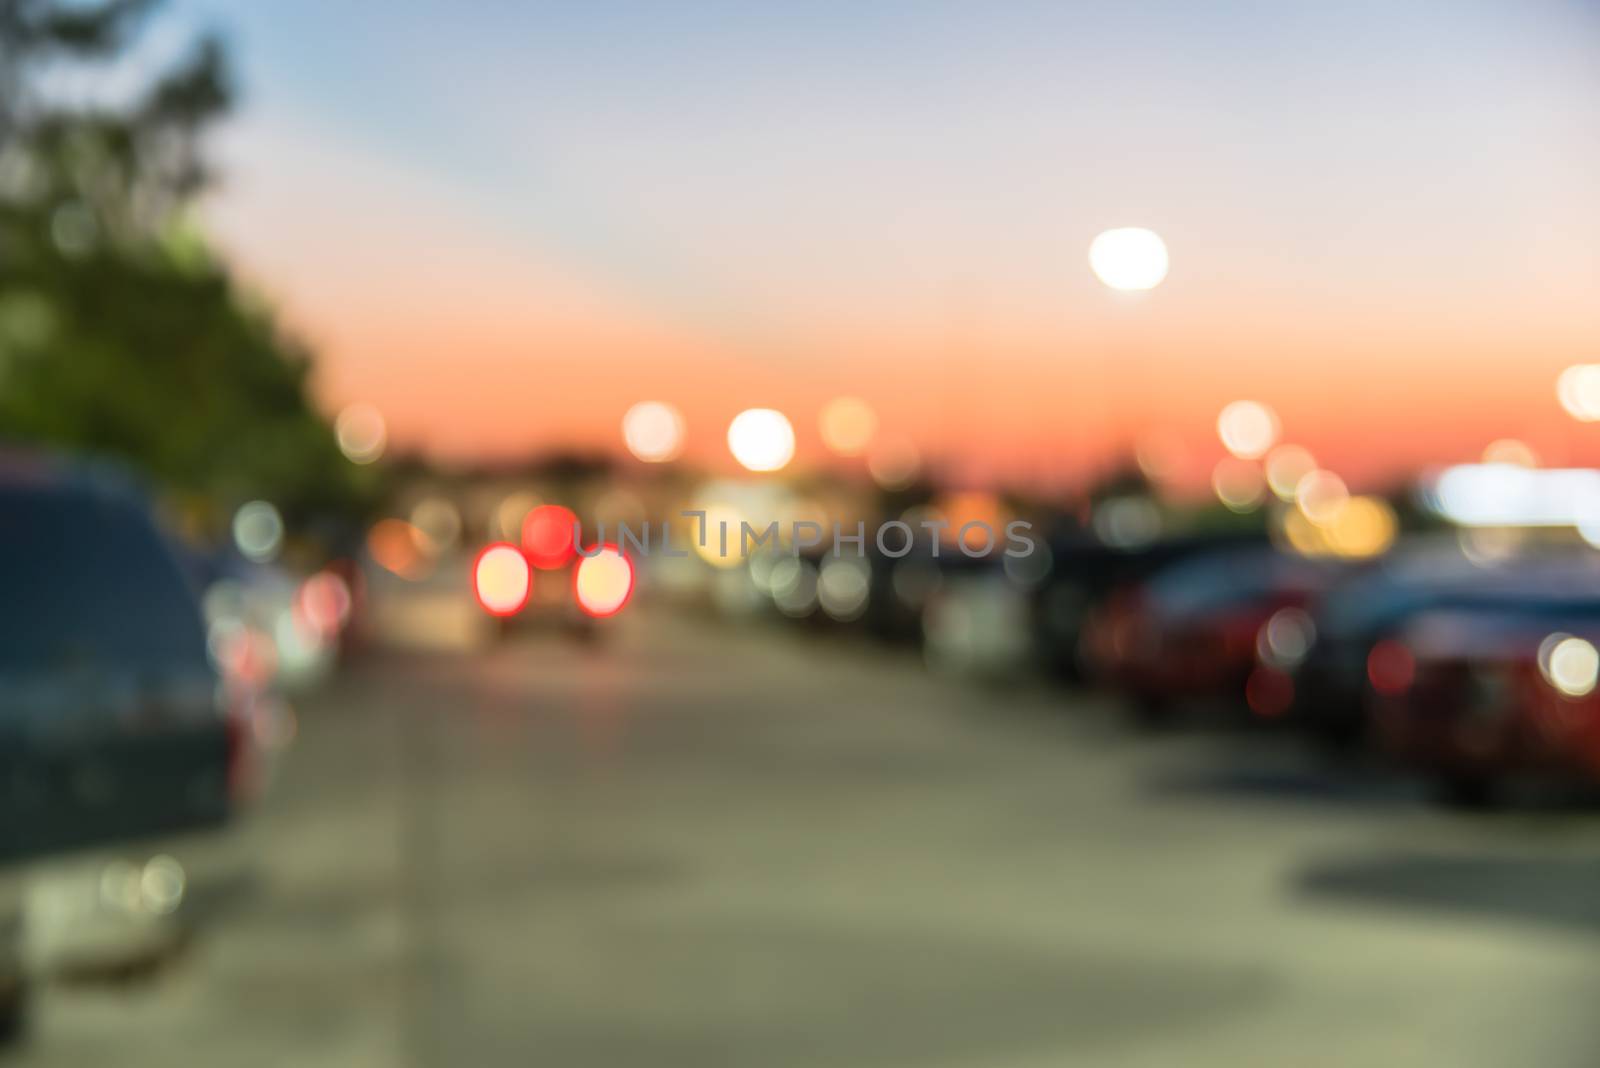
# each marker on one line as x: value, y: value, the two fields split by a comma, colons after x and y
x: 1550, y: 891
x: 1276, y: 777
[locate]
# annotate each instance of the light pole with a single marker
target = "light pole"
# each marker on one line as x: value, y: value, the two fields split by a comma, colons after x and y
x: 1129, y: 259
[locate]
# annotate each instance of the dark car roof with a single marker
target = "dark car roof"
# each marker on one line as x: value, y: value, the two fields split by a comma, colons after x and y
x: 1236, y: 575
x: 88, y: 578
x: 1388, y: 593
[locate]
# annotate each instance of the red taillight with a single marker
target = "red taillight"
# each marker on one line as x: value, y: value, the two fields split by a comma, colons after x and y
x: 501, y: 579
x: 547, y: 536
x: 237, y: 721
x: 1391, y: 668
x: 323, y: 604
x: 602, y: 583
x: 1269, y: 692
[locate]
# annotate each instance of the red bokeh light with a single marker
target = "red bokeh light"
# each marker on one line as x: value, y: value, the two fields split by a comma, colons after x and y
x: 1269, y: 692
x: 323, y: 604
x: 1391, y: 668
x: 547, y: 536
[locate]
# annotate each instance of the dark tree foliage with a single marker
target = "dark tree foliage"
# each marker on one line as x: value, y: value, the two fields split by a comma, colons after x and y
x: 120, y: 332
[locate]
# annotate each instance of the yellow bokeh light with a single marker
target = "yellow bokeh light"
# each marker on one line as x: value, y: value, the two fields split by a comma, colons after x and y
x: 1304, y: 536
x: 1365, y: 526
x: 848, y: 425
x: 717, y: 548
x: 1360, y: 528
x: 761, y: 439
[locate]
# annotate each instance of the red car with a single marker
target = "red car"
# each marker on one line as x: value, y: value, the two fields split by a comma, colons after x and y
x: 1192, y: 631
x: 1475, y: 697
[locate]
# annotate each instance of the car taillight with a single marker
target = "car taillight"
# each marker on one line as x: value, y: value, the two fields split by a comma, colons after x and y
x: 239, y: 739
x: 547, y: 536
x: 1391, y: 668
x: 603, y: 582
x: 1269, y: 692
x: 501, y: 579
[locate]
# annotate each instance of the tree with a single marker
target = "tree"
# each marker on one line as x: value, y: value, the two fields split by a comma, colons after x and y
x: 121, y: 333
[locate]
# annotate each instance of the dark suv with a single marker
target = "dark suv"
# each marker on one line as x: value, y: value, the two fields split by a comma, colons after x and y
x: 113, y: 723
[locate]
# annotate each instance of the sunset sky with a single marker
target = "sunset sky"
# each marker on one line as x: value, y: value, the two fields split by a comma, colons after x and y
x: 506, y: 227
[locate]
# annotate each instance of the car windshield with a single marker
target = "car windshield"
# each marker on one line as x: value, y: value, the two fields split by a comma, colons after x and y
x: 88, y: 580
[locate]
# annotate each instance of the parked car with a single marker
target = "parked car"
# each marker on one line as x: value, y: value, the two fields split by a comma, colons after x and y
x: 1473, y: 696
x: 1085, y: 573
x: 1189, y: 632
x: 1321, y: 687
x: 977, y: 622
x: 114, y: 727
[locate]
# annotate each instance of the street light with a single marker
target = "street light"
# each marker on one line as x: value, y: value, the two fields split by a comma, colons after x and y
x: 1130, y: 259
x: 761, y: 439
x: 1578, y: 389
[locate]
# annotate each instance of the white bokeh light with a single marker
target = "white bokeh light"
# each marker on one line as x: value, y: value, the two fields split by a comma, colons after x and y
x: 653, y: 431
x: 258, y: 531
x: 843, y: 587
x: 1578, y: 389
x: 761, y: 439
x: 1286, y: 465
x: 1570, y: 664
x: 1130, y: 259
x: 1247, y: 429
x: 362, y: 433
x: 1321, y: 495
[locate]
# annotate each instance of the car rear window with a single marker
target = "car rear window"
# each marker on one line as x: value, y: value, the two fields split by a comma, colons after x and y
x: 86, y: 579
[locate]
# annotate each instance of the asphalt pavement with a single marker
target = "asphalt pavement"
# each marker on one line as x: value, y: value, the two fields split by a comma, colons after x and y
x: 698, y: 844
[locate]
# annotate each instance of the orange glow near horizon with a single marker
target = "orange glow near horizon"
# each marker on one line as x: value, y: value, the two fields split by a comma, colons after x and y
x: 1388, y: 330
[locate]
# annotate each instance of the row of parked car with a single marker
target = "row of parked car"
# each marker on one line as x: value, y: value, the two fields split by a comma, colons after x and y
x: 1473, y: 672
x: 1469, y: 670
